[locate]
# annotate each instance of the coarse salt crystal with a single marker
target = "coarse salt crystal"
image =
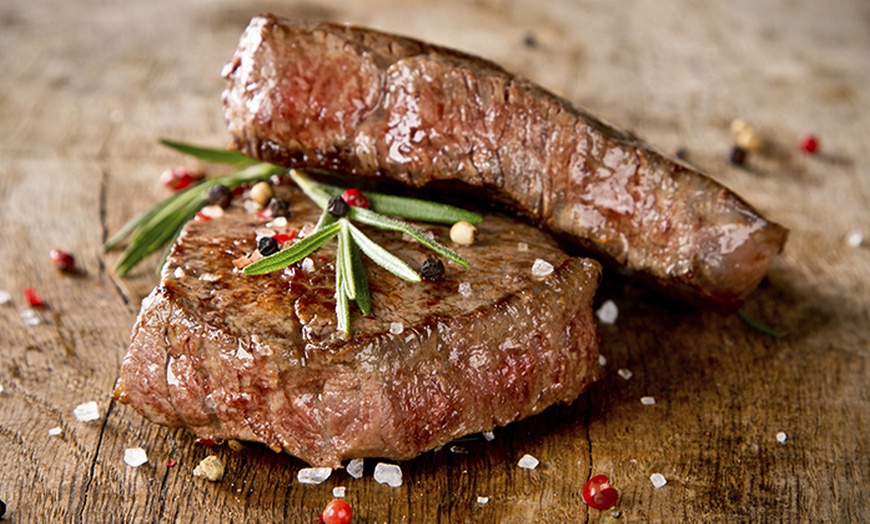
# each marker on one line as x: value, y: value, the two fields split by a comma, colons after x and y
x: 647, y: 401
x: 541, y: 268
x: 608, y: 312
x: 55, y: 431
x: 389, y: 474
x: 209, y: 277
x: 211, y: 467
x: 781, y: 436
x: 135, y: 457
x: 489, y: 436
x: 307, y: 265
x: 465, y: 289
x: 5, y: 296
x: 278, y: 223
x: 355, y: 468
x: 522, y: 246
x: 602, y: 360
x: 624, y: 373
x: 528, y: 462
x: 313, y: 475
x: 213, y: 211
x: 459, y: 450
x: 396, y: 328
x: 482, y: 500
x: 339, y: 492
x: 855, y: 238
x: 179, y: 272
x: 658, y: 480
x: 87, y: 411
x: 30, y: 317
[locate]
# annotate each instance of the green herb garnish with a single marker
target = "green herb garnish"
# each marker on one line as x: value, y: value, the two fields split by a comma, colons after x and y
x: 755, y: 324
x: 161, y: 225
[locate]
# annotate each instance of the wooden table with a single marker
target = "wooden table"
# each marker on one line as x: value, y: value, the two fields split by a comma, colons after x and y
x: 88, y: 87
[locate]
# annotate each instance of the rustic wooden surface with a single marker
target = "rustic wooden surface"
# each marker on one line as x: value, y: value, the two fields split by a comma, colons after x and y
x: 87, y: 87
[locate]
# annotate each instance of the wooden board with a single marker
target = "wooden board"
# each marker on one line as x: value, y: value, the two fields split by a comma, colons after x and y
x: 88, y: 87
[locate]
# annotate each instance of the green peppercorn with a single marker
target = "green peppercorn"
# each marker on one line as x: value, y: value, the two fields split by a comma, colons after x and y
x: 337, y: 207
x: 267, y: 246
x: 433, y: 269
x: 220, y: 195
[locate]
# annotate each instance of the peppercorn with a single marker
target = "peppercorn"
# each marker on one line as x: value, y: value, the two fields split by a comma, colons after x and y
x: 279, y: 207
x: 809, y: 143
x: 2, y: 509
x: 62, y: 260
x: 220, y: 195
x: 463, y: 233
x: 178, y: 178
x: 337, y: 207
x: 354, y: 197
x: 267, y: 246
x: 737, y: 156
x: 682, y: 153
x: 262, y: 193
x: 336, y: 512
x: 433, y: 269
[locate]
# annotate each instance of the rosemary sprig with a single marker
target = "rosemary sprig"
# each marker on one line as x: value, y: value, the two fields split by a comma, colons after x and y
x: 221, y: 156
x: 294, y: 253
x: 755, y: 324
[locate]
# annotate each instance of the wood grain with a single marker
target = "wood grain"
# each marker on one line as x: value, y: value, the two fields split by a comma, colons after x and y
x: 88, y: 87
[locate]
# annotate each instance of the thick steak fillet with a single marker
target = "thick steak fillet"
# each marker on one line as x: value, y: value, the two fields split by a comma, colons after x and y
x: 258, y: 358
x: 364, y: 103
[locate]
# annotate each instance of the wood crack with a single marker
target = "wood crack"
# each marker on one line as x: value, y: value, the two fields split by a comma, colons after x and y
x: 86, y: 492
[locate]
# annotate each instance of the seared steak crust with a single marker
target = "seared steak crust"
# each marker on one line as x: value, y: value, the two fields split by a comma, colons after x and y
x: 364, y: 103
x: 258, y: 358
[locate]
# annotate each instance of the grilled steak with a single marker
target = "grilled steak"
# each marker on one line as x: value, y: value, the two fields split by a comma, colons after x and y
x: 364, y: 103
x: 258, y: 358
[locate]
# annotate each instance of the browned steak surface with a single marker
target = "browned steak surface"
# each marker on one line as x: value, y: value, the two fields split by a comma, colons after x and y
x: 364, y: 103
x: 257, y: 357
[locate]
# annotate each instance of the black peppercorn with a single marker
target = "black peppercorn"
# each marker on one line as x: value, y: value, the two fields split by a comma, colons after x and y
x: 433, y: 269
x: 267, y: 246
x: 737, y: 156
x: 337, y: 207
x: 530, y: 41
x: 682, y: 153
x: 220, y: 195
x: 2, y: 509
x: 279, y: 207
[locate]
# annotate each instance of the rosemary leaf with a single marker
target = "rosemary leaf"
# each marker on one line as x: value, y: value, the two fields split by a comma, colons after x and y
x: 363, y: 297
x: 342, y: 307
x: 313, y: 190
x: 294, y: 253
x: 369, y: 217
x: 209, y: 154
x: 767, y: 330
x: 382, y: 257
x: 344, y: 261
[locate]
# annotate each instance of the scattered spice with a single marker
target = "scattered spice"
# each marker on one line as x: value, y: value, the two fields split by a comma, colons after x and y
x: 530, y: 41
x: 482, y: 500
x: 389, y: 474
x: 211, y: 467
x: 463, y: 233
x: 602, y: 360
x: 781, y: 437
x: 178, y: 178
x: 488, y: 436
x: 171, y: 463
x: 608, y: 312
x: 541, y: 268
x: 853, y: 239
x: 658, y: 480
x: 267, y: 246
x: 624, y: 373
x: 465, y: 289
x: 33, y: 297
x: 220, y: 195
x: 135, y: 457
x: 87, y: 411
x: 279, y: 207
x: 809, y: 143
x: 354, y: 197
x: 336, y: 512
x: 62, y: 260
x: 313, y: 475
x: 432, y: 269
x: 598, y: 493
x: 737, y: 156
x: 262, y: 193
x: 5, y: 297
x: 30, y: 317
x: 396, y: 328
x: 337, y: 207
x: 749, y: 139
x: 339, y: 492
x: 648, y: 401
x: 528, y: 462
x: 2, y: 509
x: 682, y: 153
x: 355, y: 468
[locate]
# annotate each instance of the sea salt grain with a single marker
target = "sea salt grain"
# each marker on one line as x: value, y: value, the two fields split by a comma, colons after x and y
x: 313, y: 475
x: 55, y: 431
x: 522, y: 246
x: 339, y: 492
x: 482, y: 500
x: 780, y: 437
x: 396, y: 328
x: 389, y: 474
x: 647, y: 401
x: 602, y: 360
x: 135, y: 457
x: 5, y: 297
x: 179, y: 272
x: 465, y: 289
x: 355, y: 468
x: 30, y: 317
x: 211, y: 467
x: 608, y: 312
x: 489, y: 436
x: 624, y: 373
x: 541, y: 268
x: 87, y: 411
x: 658, y: 480
x: 855, y: 238
x: 528, y: 462
x: 307, y: 265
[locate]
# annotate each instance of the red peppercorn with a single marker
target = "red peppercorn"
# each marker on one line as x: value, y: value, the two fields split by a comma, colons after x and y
x: 62, y: 260
x: 809, y: 143
x: 598, y: 493
x: 337, y: 512
x: 354, y: 197
x: 178, y: 178
x: 286, y: 237
x: 170, y: 463
x: 33, y: 297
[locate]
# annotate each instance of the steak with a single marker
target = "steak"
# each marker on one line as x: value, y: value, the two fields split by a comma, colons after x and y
x: 259, y: 358
x: 367, y: 104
